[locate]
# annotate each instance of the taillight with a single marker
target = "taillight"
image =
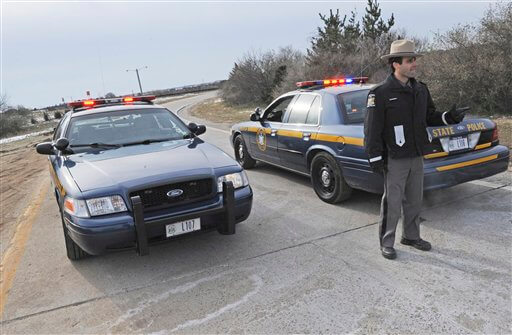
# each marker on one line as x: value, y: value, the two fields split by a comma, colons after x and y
x: 495, y: 134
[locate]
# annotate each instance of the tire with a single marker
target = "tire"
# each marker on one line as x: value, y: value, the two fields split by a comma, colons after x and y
x: 74, y: 252
x: 327, y: 179
x: 242, y: 154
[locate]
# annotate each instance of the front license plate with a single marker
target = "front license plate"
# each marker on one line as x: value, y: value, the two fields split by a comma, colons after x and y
x: 183, y: 227
x: 458, y: 143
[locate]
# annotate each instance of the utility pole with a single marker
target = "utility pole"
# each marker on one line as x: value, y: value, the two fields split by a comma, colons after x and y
x: 138, y: 76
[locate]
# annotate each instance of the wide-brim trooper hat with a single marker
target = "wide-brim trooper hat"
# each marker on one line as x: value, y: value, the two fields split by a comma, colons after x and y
x: 401, y: 48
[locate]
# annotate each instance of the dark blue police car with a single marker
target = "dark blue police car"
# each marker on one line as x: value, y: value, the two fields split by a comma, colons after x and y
x: 317, y: 131
x: 128, y: 173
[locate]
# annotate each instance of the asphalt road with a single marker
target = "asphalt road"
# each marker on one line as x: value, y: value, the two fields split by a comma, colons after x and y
x: 297, y: 265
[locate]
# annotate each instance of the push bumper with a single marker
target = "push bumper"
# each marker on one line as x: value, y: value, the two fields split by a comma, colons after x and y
x: 124, y: 231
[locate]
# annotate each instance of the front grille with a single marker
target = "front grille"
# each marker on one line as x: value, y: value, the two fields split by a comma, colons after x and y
x: 157, y: 198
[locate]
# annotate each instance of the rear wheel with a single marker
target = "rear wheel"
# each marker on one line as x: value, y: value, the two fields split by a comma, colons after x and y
x: 242, y: 155
x: 327, y: 179
x: 73, y: 250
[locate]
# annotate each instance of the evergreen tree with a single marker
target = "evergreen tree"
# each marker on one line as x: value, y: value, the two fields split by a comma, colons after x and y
x: 373, y: 25
x: 352, y: 32
x: 329, y: 36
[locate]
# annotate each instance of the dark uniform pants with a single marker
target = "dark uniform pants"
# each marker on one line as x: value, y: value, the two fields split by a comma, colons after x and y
x: 403, y: 188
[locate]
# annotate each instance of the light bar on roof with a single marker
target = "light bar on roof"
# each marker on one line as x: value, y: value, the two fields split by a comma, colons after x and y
x: 331, y: 82
x: 96, y: 102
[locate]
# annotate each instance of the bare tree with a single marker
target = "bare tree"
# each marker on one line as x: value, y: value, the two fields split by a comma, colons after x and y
x: 472, y: 64
x: 255, y: 77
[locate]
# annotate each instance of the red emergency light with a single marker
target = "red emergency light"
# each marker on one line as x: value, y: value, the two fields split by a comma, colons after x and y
x: 331, y: 82
x: 96, y: 102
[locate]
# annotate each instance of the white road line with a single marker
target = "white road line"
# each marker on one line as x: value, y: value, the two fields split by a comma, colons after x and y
x: 490, y: 185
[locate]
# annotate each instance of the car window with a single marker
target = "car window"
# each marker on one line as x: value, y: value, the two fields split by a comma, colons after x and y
x: 278, y: 109
x: 300, y: 108
x: 60, y: 128
x: 314, y: 111
x: 354, y: 105
x: 121, y: 127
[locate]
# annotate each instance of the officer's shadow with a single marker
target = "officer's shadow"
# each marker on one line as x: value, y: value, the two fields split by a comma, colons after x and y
x: 471, y: 263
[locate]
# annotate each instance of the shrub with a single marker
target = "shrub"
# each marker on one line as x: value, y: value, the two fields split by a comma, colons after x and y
x: 46, y: 117
x: 10, y: 124
x: 57, y: 114
x: 255, y: 76
x: 471, y: 65
x: 33, y: 120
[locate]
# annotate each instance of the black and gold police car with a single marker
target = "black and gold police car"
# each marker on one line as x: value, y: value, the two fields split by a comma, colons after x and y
x: 127, y: 173
x: 317, y: 131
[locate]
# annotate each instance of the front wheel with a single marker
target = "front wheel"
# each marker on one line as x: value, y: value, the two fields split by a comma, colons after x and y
x: 242, y: 155
x: 73, y: 250
x: 327, y: 179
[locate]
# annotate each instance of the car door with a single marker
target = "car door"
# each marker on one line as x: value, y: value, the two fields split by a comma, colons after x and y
x: 264, y: 141
x: 294, y: 136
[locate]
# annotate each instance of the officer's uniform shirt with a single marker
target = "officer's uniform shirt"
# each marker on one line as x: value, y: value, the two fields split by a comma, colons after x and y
x: 397, y: 119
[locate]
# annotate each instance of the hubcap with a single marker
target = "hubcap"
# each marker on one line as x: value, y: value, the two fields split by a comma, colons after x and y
x: 240, y: 152
x: 325, y: 177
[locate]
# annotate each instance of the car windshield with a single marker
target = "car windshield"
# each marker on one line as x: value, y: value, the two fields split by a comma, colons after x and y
x: 128, y: 127
x: 354, y: 105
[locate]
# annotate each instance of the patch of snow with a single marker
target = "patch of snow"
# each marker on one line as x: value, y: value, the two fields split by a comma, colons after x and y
x: 22, y: 137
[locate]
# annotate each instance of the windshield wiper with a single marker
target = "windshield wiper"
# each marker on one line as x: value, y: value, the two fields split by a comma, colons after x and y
x: 148, y: 141
x: 97, y: 145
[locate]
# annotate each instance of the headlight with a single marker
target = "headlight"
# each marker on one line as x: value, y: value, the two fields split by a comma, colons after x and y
x: 75, y: 207
x: 238, y: 179
x: 106, y: 205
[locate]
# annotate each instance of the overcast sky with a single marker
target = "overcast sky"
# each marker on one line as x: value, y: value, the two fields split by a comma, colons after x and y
x: 53, y: 50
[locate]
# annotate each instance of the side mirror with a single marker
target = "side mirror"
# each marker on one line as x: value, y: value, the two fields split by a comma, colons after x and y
x: 61, y: 144
x: 197, y: 129
x: 255, y: 117
x: 201, y: 129
x: 45, y: 148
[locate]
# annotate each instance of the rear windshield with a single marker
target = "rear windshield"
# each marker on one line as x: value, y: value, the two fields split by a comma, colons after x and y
x: 121, y: 127
x: 353, y: 105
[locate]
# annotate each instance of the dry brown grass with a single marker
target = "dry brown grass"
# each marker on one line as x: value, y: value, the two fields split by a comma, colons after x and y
x: 215, y: 110
x: 504, y: 130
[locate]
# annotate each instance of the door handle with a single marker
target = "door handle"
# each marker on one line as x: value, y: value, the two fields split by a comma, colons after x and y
x: 273, y: 132
x: 306, y: 136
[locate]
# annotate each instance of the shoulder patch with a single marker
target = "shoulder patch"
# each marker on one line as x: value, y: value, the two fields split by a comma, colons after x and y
x: 371, y: 100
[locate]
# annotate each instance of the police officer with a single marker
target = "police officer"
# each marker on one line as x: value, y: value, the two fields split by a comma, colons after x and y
x: 396, y: 138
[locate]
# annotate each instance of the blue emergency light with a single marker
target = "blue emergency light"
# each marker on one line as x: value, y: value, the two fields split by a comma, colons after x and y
x: 331, y: 82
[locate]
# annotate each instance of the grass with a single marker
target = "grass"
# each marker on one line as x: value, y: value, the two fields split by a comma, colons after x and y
x: 215, y: 110
x: 504, y: 130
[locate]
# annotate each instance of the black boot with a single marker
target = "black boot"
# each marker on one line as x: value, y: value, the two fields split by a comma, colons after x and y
x: 388, y: 252
x: 418, y: 244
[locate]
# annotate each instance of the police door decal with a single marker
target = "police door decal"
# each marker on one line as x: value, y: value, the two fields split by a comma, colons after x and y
x: 261, y: 139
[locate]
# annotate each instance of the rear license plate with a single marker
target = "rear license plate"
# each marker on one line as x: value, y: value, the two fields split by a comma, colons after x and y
x: 183, y: 227
x: 458, y: 143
